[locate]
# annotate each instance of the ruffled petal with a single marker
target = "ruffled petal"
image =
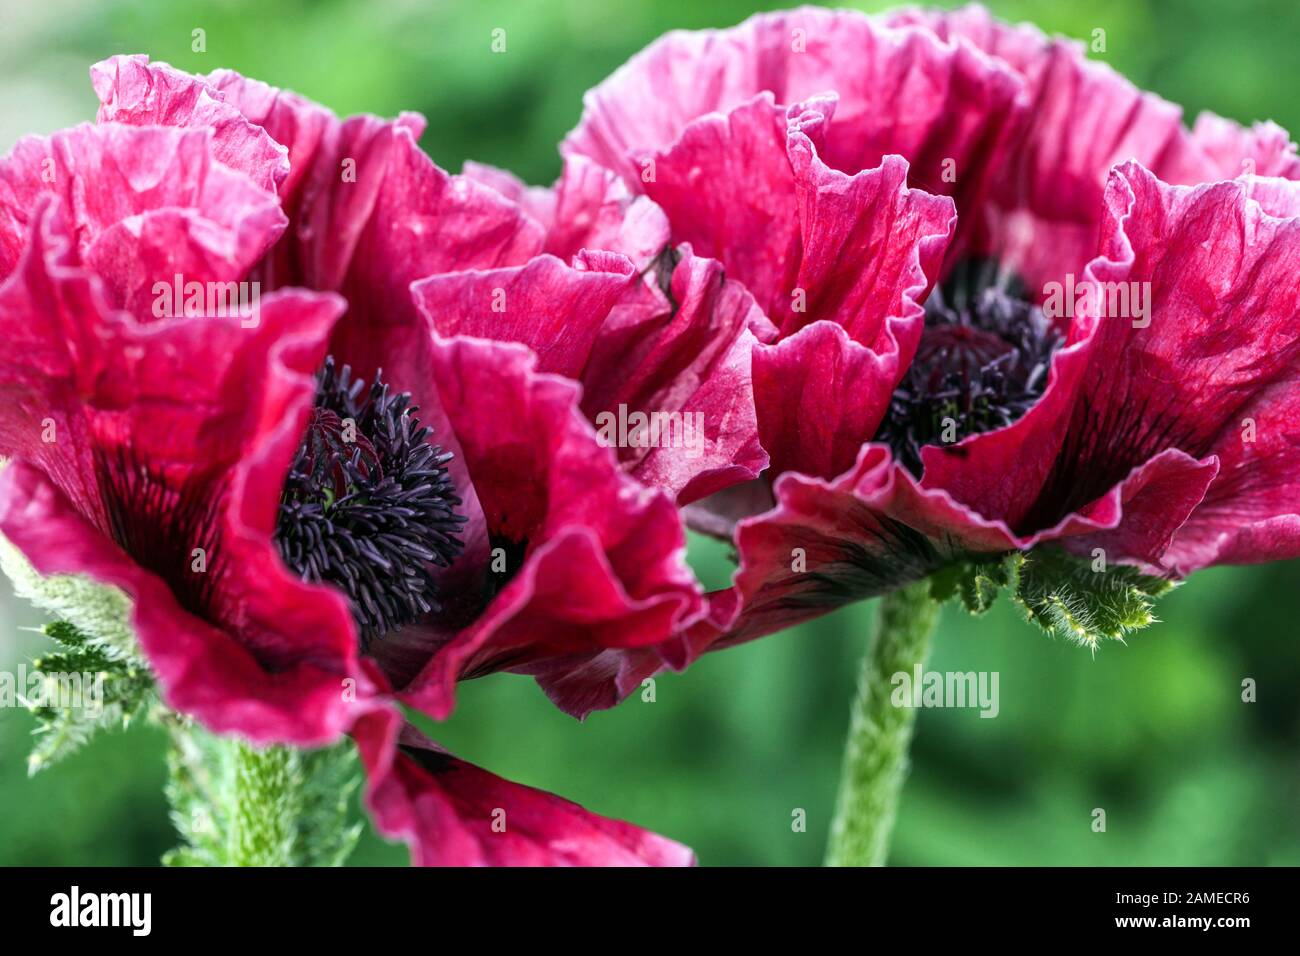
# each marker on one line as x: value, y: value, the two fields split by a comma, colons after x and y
x: 875, y: 528
x: 748, y: 188
x: 152, y: 457
x: 961, y: 106
x: 728, y: 189
x: 452, y: 813
x: 839, y: 385
x: 586, y: 559
x: 819, y: 395
x: 329, y: 171
x: 368, y: 211
x: 1218, y: 148
x: 1209, y: 275
x: 554, y: 309
x: 588, y: 208
x: 1040, y: 218
x: 871, y: 247
x: 424, y: 222
x: 810, y: 243
x: 1250, y: 512
x: 677, y: 350
x: 146, y: 205
x: 134, y: 92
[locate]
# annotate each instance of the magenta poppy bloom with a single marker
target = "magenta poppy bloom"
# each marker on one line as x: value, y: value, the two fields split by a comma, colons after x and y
x: 1018, y: 302
x: 334, y: 496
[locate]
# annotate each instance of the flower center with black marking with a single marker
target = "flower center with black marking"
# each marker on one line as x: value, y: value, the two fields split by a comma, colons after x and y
x: 368, y: 505
x: 982, y: 362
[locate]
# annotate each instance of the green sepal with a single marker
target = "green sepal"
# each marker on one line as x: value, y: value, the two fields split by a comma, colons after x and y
x: 1080, y: 600
x: 1087, y: 601
x: 976, y: 582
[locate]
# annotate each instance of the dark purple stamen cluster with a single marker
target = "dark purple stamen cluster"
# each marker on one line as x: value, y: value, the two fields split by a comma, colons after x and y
x: 369, y: 506
x: 982, y: 362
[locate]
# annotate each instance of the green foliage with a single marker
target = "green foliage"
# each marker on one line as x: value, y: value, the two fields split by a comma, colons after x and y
x: 325, y: 838
x: 194, y: 791
x: 97, y: 656
x: 100, y: 612
x: 111, y: 688
x: 238, y: 805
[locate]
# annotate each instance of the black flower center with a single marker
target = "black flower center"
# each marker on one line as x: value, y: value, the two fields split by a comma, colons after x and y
x: 981, y: 363
x: 369, y: 506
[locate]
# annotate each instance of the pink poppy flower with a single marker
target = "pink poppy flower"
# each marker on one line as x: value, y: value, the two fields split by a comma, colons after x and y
x: 820, y: 156
x: 300, y: 551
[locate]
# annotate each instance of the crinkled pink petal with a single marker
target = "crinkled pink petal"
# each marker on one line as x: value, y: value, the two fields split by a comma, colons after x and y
x: 682, y: 352
x: 686, y: 360
x: 135, y: 92
x: 168, y: 438
x: 871, y: 250
x: 592, y: 558
x: 1040, y: 218
x: 424, y: 222
x: 819, y: 395
x: 538, y: 201
x: 369, y: 212
x: 900, y: 91
x: 728, y: 189
x: 554, y: 309
x: 329, y: 171
x: 808, y: 241
x: 719, y: 446
x: 588, y: 208
x: 146, y: 205
x: 1249, y: 513
x: 1218, y: 148
x: 871, y: 247
x: 452, y: 813
x: 874, y: 528
x: 1219, y: 263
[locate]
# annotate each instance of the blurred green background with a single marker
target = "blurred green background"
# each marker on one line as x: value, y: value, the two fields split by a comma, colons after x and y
x: 1154, y: 732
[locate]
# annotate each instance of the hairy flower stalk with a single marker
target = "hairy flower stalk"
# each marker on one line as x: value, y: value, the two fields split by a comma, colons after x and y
x: 267, y: 805
x: 875, y: 754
